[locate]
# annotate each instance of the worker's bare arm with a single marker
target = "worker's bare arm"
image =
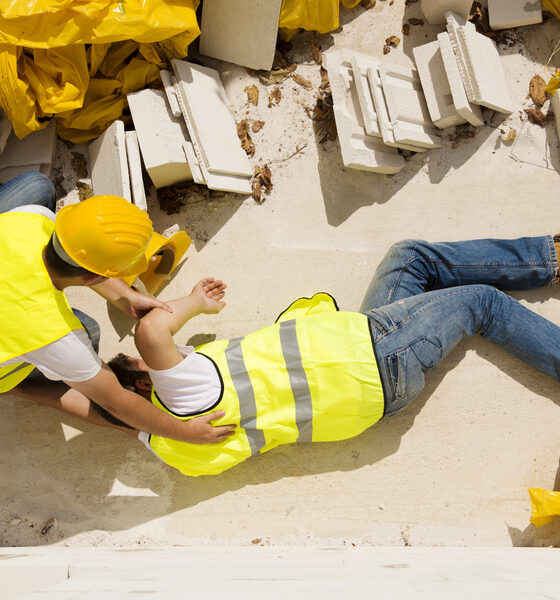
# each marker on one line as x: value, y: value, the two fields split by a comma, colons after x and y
x: 105, y: 390
x: 154, y: 332
x: 57, y: 394
x: 133, y: 303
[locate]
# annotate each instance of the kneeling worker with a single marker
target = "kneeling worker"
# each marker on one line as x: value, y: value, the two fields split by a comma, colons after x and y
x: 320, y: 374
x: 92, y: 243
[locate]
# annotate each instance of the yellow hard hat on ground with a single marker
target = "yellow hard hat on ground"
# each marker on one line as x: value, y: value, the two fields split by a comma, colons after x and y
x: 104, y: 234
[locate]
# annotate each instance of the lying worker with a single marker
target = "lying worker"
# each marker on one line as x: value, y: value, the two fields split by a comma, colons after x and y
x: 319, y: 374
x: 91, y: 243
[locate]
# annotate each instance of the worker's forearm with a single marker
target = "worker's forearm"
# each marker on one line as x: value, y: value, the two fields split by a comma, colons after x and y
x: 114, y: 291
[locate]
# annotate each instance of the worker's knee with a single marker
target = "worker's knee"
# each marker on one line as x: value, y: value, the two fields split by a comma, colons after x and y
x: 40, y: 190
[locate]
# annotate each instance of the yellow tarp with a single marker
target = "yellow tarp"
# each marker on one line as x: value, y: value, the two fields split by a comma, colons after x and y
x: 545, y: 505
x: 553, y: 6
x: 312, y: 15
x: 46, y: 69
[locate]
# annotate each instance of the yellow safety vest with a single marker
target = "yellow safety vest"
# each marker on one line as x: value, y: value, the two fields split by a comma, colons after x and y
x: 312, y: 376
x: 33, y: 313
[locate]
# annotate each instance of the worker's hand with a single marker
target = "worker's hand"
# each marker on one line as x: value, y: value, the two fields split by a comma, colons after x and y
x: 200, y: 430
x: 137, y: 304
x: 209, y: 292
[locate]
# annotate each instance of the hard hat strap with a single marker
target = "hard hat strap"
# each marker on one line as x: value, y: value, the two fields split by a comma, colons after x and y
x: 62, y: 253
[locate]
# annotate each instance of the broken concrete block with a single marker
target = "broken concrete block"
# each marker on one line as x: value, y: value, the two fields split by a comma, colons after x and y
x: 470, y: 112
x: 436, y: 85
x: 480, y: 66
x: 168, y: 85
x: 135, y: 170
x: 5, y: 129
x: 212, y: 119
x: 359, y: 150
x: 109, y: 167
x: 434, y: 10
x: 406, y: 106
x: 217, y: 149
x: 503, y: 14
x: 34, y: 151
x: 161, y: 137
x: 194, y: 164
x: 243, y: 32
x: 360, y: 63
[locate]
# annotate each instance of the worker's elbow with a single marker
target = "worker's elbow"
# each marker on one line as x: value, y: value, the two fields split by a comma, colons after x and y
x: 147, y: 328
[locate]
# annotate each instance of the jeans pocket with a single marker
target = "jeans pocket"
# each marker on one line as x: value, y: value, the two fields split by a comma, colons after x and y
x: 406, y: 368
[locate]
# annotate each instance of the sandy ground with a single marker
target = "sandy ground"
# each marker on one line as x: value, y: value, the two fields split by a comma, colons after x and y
x: 452, y: 469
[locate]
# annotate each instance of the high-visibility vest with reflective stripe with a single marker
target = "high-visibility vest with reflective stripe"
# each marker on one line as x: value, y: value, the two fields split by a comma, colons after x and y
x: 312, y: 376
x: 33, y: 313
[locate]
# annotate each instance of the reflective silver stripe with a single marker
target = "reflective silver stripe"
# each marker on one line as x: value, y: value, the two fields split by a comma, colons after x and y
x: 298, y: 380
x: 246, y: 395
x: 18, y: 368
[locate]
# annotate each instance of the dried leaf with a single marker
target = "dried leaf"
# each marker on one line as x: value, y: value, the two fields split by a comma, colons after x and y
x: 245, y: 138
x: 405, y: 29
x: 536, y: 116
x: 303, y: 82
x: 316, y: 49
x: 308, y: 110
x: 251, y: 72
x: 48, y: 526
x: 393, y: 40
x: 266, y: 177
x: 252, y: 94
x: 276, y: 76
x: 256, y: 190
x: 537, y: 92
x: 386, y: 49
x: 367, y: 4
x: 508, y: 136
x: 275, y: 97
x: 84, y: 190
x: 325, y: 83
x: 414, y: 21
x: 408, y: 2
x: 79, y: 165
x: 257, y: 126
x: 262, y: 178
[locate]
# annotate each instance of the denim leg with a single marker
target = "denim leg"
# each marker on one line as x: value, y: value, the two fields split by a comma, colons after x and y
x: 413, y: 267
x: 412, y: 335
x: 29, y: 188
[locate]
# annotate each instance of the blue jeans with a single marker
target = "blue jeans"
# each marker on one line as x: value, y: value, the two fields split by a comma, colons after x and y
x: 34, y: 188
x: 425, y: 298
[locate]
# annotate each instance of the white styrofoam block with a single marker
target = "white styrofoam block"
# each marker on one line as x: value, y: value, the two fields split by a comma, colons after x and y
x: 168, y: 85
x: 212, y: 120
x: 109, y: 167
x: 434, y: 10
x: 243, y: 32
x: 481, y: 68
x: 470, y: 112
x: 407, y: 107
x: 135, y: 170
x: 161, y: 137
x: 359, y: 150
x: 503, y: 14
x: 37, y: 148
x: 215, y: 181
x: 436, y: 85
x: 5, y: 129
x: 360, y: 64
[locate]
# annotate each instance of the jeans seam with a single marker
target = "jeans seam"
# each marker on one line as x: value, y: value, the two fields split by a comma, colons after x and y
x: 553, y: 264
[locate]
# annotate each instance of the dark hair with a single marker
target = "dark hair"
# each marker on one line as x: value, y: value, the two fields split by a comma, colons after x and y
x: 108, y: 416
x: 125, y: 371
x: 61, y: 268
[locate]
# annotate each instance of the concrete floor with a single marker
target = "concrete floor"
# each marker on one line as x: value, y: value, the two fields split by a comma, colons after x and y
x: 452, y: 469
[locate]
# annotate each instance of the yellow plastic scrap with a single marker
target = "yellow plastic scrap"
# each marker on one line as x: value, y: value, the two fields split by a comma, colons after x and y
x: 553, y: 84
x: 553, y: 6
x: 545, y: 505
x: 312, y: 15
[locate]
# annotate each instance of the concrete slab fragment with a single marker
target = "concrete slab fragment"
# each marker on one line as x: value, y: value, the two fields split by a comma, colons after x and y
x: 109, y: 167
x: 470, y: 112
x: 37, y: 148
x: 480, y: 66
x: 161, y: 137
x: 369, y: 115
x: 436, y: 85
x: 194, y: 165
x: 242, y: 32
x: 434, y: 10
x: 359, y: 150
x: 168, y: 85
x: 503, y: 14
x: 406, y: 105
x: 135, y: 170
x: 212, y: 121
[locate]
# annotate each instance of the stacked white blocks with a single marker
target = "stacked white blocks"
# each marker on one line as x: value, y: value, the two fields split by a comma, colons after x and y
x: 378, y: 108
x: 503, y: 14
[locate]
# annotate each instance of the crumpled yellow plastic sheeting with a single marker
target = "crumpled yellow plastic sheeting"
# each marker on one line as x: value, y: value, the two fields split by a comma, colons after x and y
x: 545, y: 506
x: 312, y: 15
x: 553, y: 6
x: 85, y: 88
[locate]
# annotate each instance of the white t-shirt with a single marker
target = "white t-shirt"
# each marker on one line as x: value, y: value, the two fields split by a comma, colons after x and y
x: 189, y: 388
x: 71, y: 357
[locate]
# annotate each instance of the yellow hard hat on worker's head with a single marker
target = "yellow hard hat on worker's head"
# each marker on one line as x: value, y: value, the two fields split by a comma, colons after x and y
x: 105, y: 235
